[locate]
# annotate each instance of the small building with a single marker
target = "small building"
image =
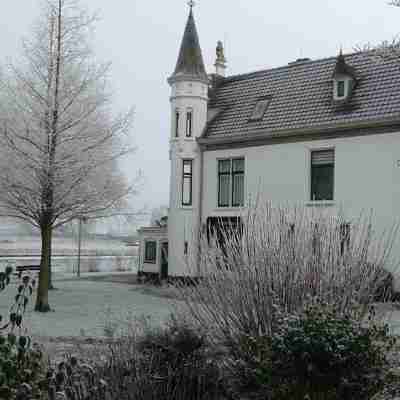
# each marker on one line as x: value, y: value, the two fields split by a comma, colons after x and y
x: 153, y: 252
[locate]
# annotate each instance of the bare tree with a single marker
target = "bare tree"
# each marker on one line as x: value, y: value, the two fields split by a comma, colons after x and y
x: 159, y: 215
x: 59, y: 139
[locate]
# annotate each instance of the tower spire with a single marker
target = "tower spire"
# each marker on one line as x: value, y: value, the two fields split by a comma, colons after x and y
x: 191, y: 4
x: 190, y: 62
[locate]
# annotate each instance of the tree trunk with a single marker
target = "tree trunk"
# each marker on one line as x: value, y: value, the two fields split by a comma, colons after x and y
x: 51, y: 287
x: 42, y: 299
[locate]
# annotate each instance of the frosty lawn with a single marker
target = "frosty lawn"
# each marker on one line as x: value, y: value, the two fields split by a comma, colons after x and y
x: 81, y: 307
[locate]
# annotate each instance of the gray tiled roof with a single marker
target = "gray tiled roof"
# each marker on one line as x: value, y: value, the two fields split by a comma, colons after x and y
x: 302, y: 97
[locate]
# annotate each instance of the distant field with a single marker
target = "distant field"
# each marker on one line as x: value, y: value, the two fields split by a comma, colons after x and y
x: 30, y: 245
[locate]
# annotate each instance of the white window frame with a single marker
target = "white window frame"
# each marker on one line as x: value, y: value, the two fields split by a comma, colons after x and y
x: 231, y: 159
x: 184, y: 160
x: 346, y: 83
x: 146, y: 260
x: 310, y: 165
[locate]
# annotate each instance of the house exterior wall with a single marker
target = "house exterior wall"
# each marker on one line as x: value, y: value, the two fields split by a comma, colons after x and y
x: 366, y: 177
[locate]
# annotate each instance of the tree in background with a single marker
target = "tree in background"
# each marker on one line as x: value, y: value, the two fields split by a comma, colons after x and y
x: 159, y: 215
x: 59, y: 139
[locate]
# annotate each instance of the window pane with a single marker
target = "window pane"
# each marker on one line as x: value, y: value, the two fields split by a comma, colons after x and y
x: 259, y: 109
x: 150, y: 252
x: 224, y: 166
x: 177, y: 124
x: 238, y: 165
x: 340, y: 89
x: 187, y: 167
x: 322, y: 182
x: 238, y: 190
x: 223, y: 190
x: 189, y: 117
x: 187, y: 191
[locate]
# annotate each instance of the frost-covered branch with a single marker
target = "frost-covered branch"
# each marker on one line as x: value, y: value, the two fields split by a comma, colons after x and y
x: 60, y: 141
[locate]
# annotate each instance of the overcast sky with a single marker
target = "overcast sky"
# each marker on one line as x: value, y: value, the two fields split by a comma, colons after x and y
x: 141, y: 38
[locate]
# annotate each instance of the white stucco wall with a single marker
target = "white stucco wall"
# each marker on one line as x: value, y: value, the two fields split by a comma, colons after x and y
x: 367, y: 176
x: 183, y: 220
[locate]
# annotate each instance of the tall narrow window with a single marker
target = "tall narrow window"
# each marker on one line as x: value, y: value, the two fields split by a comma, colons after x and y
x: 238, y: 182
x: 187, y: 179
x: 189, y: 123
x: 177, y: 117
x: 231, y: 182
x: 224, y: 177
x: 322, y: 174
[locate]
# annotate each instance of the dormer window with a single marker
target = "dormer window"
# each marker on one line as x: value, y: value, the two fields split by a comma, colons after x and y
x: 344, y: 80
x: 340, y: 89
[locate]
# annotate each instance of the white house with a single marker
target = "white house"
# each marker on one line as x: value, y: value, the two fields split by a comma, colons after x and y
x: 325, y: 133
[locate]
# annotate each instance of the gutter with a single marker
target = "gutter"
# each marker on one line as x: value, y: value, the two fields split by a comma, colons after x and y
x: 321, y: 132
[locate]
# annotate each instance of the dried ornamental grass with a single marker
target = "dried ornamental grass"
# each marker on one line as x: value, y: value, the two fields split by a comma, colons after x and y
x: 280, y: 257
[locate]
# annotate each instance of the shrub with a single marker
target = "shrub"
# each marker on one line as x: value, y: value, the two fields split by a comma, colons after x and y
x: 153, y: 364
x: 319, y: 352
x: 173, y: 344
x: 385, y: 287
x: 74, y: 380
x: 282, y: 256
x: 21, y: 365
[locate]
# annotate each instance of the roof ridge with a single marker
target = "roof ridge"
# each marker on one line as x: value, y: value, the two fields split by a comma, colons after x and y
x: 248, y: 75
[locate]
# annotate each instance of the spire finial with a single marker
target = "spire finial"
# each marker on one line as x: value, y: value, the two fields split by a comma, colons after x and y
x: 191, y: 4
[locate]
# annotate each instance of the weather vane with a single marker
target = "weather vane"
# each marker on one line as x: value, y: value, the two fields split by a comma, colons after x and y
x: 191, y: 4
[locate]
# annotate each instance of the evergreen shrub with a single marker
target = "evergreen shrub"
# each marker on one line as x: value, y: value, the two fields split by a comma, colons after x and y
x: 320, y: 353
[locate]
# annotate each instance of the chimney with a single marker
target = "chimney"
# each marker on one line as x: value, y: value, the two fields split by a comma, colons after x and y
x: 220, y: 63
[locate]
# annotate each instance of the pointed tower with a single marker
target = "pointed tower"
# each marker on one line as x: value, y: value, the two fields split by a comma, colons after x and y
x: 189, y: 97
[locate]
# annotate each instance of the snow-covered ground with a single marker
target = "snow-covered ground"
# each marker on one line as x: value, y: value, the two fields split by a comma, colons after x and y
x: 84, y: 307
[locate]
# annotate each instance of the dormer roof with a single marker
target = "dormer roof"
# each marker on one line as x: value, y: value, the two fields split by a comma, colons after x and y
x: 190, y: 62
x: 342, y: 68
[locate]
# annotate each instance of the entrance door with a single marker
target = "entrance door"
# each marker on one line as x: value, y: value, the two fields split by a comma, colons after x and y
x: 164, y: 260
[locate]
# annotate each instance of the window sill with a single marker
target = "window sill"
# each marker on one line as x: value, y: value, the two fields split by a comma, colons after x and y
x: 228, y: 208
x: 185, y: 139
x: 186, y: 207
x: 320, y: 203
x: 149, y: 262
